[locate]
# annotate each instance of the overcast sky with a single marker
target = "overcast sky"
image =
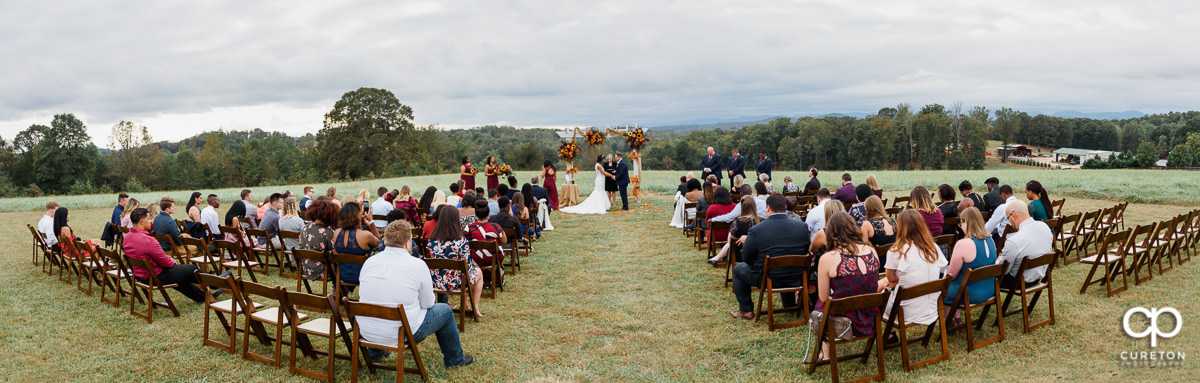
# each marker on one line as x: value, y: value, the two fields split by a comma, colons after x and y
x: 185, y: 67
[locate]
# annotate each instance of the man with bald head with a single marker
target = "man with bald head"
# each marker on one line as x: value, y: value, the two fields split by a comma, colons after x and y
x: 711, y: 165
x: 1032, y: 239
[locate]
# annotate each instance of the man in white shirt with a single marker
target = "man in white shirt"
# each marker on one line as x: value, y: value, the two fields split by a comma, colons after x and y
x: 381, y: 207
x: 46, y: 224
x: 816, y: 215
x: 999, y: 219
x: 1032, y: 239
x: 209, y: 216
x: 393, y: 277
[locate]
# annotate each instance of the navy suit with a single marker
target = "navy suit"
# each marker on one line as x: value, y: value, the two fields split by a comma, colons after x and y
x: 764, y: 166
x: 775, y: 236
x: 713, y: 163
x: 736, y: 166
x: 622, y: 174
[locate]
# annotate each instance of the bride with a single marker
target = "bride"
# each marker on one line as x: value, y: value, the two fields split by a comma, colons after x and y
x: 597, y: 202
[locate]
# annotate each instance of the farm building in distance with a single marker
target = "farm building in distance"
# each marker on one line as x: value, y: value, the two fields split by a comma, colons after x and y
x: 1015, y: 150
x: 1075, y: 156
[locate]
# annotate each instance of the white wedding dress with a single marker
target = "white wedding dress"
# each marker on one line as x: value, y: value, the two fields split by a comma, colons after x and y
x: 596, y: 203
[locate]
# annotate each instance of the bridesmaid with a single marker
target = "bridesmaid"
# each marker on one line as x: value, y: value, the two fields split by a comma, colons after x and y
x: 549, y: 174
x: 491, y: 170
x: 465, y: 175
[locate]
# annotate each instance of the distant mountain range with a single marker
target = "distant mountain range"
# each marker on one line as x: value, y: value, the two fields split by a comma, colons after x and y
x: 738, y: 122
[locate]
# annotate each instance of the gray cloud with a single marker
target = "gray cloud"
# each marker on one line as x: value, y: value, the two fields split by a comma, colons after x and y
x: 554, y: 63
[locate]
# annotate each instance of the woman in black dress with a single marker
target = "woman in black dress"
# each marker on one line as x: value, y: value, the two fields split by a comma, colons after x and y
x: 610, y: 184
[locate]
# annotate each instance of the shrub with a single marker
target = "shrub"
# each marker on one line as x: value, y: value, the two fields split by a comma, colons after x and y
x: 33, y: 191
x: 133, y: 186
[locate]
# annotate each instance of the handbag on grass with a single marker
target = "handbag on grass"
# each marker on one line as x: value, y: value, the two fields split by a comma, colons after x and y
x: 841, y: 325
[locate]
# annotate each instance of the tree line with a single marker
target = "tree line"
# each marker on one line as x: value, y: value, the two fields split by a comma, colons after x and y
x: 369, y: 134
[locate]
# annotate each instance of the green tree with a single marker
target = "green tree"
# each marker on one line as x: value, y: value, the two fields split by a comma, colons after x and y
x: 1181, y: 157
x: 1147, y: 154
x: 1008, y: 122
x: 216, y: 168
x: 524, y: 157
x: 132, y: 155
x: 58, y: 156
x: 363, y: 131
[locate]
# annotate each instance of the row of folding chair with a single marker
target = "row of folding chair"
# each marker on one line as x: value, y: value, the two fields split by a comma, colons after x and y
x: 1173, y: 240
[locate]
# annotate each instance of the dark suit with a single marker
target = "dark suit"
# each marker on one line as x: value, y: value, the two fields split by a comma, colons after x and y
x: 775, y: 236
x: 622, y: 174
x: 764, y: 166
x: 992, y: 200
x: 540, y: 193
x: 813, y: 184
x: 713, y: 163
x: 165, y: 225
x: 737, y: 166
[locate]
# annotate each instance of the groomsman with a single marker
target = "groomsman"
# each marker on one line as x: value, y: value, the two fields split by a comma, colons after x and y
x: 711, y: 164
x: 764, y: 165
x: 736, y: 165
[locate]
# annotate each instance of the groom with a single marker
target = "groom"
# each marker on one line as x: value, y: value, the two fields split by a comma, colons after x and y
x: 622, y: 177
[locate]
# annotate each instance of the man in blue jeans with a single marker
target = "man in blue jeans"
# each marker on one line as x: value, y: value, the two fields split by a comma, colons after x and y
x: 394, y: 277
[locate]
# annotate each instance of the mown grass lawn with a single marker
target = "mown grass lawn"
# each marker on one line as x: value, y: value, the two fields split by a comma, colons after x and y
x: 619, y: 297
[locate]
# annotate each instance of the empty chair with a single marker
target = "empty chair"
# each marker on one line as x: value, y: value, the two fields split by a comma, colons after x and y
x: 1112, y: 256
x: 232, y: 307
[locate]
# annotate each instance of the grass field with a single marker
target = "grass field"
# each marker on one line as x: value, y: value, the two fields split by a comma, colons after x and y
x: 621, y: 297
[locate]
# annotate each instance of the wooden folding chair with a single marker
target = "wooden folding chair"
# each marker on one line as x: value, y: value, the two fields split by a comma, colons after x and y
x: 1030, y: 292
x: 179, y: 255
x: 730, y: 260
x: 329, y: 329
x: 1183, y: 236
x: 952, y: 222
x: 36, y: 238
x: 807, y: 200
x: 492, y: 272
x: 233, y: 306
x: 899, y: 200
x: 303, y: 280
x: 1141, y: 252
x: 715, y: 244
x: 49, y: 260
x: 1194, y: 231
x: 198, y: 254
x: 963, y: 301
x: 1112, y: 255
x: 339, y: 260
x: 257, y: 316
x: 265, y: 252
x: 405, y: 335
x: 149, y: 286
x: 689, y: 221
x: 946, y: 243
x: 768, y: 290
x: 1067, y: 235
x: 892, y: 211
x: 1057, y: 206
x: 1162, y: 244
x: 464, y: 291
x: 289, y: 260
x: 838, y: 307
x: 1094, y: 234
x: 57, y: 259
x: 114, y: 273
x: 529, y: 238
x: 239, y: 258
x: 701, y: 234
x: 1008, y: 230
x: 897, y: 321
x: 88, y: 266
x: 513, y: 250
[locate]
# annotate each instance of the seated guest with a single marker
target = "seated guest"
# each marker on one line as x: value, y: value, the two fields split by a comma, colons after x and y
x: 65, y: 235
x: 846, y: 192
x: 721, y: 204
x: 849, y: 268
x: 694, y: 194
x: 425, y: 204
x: 998, y: 222
x: 439, y: 199
x: 405, y: 201
x: 504, y: 217
x: 351, y: 239
x: 139, y: 244
x: 331, y: 193
x: 428, y: 227
x: 737, y: 182
x: 791, y: 208
x: 739, y: 228
x: 970, y: 197
x: 913, y: 260
x: 919, y: 200
x: 270, y: 220
x: 760, y: 198
x: 539, y: 193
x: 1040, y: 207
x: 879, y: 229
x: 209, y: 216
x: 520, y: 211
x: 766, y: 181
x: 788, y: 186
x: 466, y: 213
x: 235, y: 218
x: 972, y: 252
x: 874, y: 185
x: 859, y: 210
x: 381, y: 206
x: 454, y: 199
x: 683, y: 180
x: 308, y: 197
x: 813, y: 183
x: 947, y: 206
x: 165, y: 225
x: 503, y: 191
x: 290, y: 221
x: 816, y: 215
x: 447, y: 242
x: 122, y: 200
x: 126, y: 222
x: 482, y: 230
x: 194, y: 222
x: 492, y: 204
x: 512, y: 187
x: 992, y: 199
x: 317, y: 235
x: 820, y: 241
x: 775, y: 236
x: 394, y: 277
x: 46, y: 223
x: 1032, y: 239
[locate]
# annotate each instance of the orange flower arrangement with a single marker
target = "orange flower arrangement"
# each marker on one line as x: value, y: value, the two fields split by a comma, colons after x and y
x: 636, y: 138
x: 568, y: 151
x: 593, y: 137
x: 504, y: 170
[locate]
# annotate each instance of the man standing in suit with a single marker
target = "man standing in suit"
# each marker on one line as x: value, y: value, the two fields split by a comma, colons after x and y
x: 775, y: 236
x: 711, y: 164
x: 992, y: 199
x: 622, y: 178
x: 813, y: 183
x: 736, y: 165
x: 764, y: 165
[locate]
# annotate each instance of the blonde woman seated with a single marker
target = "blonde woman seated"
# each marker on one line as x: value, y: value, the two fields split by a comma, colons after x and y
x: 878, y: 229
x: 913, y: 260
x: 820, y: 240
x: 975, y: 250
